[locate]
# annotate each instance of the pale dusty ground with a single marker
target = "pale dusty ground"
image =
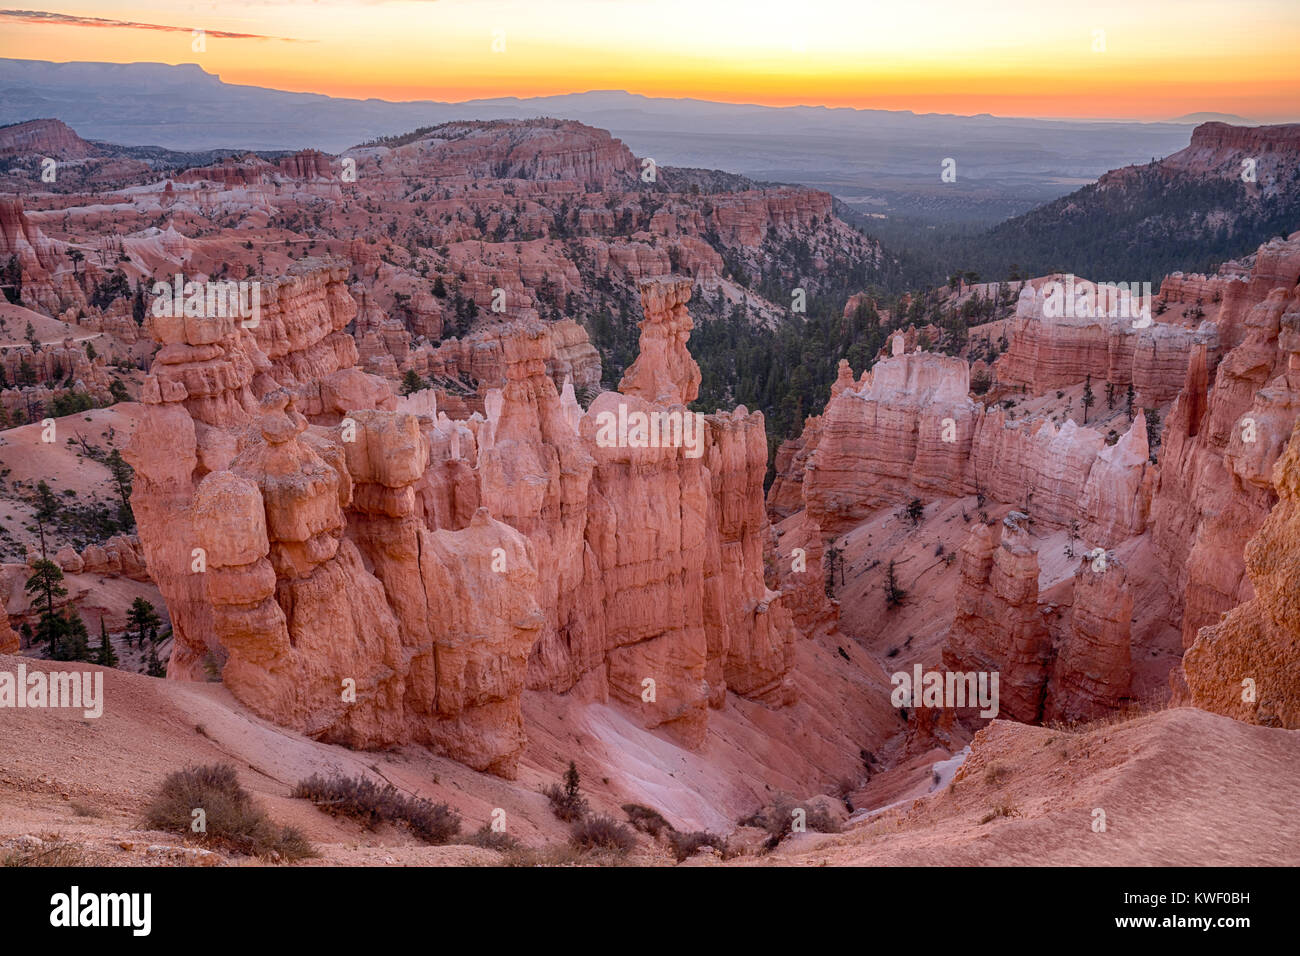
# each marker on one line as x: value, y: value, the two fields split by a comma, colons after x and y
x: 25, y: 460
x: 53, y: 759
x: 13, y: 328
x: 1178, y: 786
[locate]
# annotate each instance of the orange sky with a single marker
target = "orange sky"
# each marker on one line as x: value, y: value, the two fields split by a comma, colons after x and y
x: 1143, y: 59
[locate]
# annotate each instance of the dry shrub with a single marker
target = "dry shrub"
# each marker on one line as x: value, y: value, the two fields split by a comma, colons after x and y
x: 686, y: 845
x: 1001, y: 810
x: 232, y: 819
x: 778, y: 820
x: 560, y: 854
x: 490, y: 839
x: 997, y: 774
x: 600, y: 832
x: 57, y: 852
x: 372, y: 804
x: 647, y: 820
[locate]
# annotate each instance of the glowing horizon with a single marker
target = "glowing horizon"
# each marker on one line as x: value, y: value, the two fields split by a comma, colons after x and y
x: 1153, y: 61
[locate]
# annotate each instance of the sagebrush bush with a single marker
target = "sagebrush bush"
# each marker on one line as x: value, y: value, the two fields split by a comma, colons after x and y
x: 600, y: 832
x: 372, y: 804
x: 686, y: 845
x: 646, y: 819
x: 52, y: 853
x: 1003, y: 809
x: 232, y: 820
x: 559, y: 854
x: 778, y: 821
x: 490, y: 839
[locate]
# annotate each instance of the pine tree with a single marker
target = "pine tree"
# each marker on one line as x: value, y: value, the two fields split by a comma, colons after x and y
x: 106, y: 657
x: 12, y: 280
x: 137, y: 305
x: 122, y: 477
x: 834, y: 559
x: 75, y: 645
x: 46, y: 580
x: 1088, y: 398
x: 155, y: 667
x: 46, y: 508
x: 1110, y: 396
x: 1153, y: 431
x: 894, y: 595
x: 1128, y: 403
x: 571, y: 780
x: 915, y: 511
x: 411, y: 382
x: 143, y: 617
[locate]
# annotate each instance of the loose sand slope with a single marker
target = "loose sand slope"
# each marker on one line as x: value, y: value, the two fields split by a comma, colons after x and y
x: 1178, y: 787
x: 51, y: 760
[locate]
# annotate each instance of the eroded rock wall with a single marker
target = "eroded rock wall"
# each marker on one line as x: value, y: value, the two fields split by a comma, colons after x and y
x: 374, y: 572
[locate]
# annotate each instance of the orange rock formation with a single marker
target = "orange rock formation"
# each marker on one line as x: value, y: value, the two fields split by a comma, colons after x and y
x: 384, y: 575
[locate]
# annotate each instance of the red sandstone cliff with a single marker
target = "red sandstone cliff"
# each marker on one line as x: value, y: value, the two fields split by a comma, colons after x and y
x: 44, y: 137
x: 1221, y: 440
x: 1248, y: 664
x: 397, y: 576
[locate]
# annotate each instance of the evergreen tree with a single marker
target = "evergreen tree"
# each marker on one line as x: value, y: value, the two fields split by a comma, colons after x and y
x: 1088, y: 398
x: 571, y: 780
x: 11, y: 278
x: 143, y: 617
x: 894, y: 595
x: 1153, y: 431
x: 63, y: 631
x: 106, y: 657
x: 154, y: 667
x: 834, y: 560
x: 75, y: 644
x: 411, y: 382
x: 46, y: 580
x: 137, y: 305
x: 123, y: 475
x: 915, y: 511
x: 46, y: 507
x: 1128, y: 403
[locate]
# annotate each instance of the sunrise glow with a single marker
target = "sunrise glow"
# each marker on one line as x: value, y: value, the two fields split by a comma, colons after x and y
x: 1011, y: 57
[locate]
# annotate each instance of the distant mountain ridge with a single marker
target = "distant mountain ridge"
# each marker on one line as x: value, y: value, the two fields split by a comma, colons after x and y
x: 884, y: 161
x: 1231, y: 189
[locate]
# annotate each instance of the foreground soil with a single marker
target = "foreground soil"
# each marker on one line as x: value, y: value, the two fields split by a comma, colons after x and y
x: 1177, y: 786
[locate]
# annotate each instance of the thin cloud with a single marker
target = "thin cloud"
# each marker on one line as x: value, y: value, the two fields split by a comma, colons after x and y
x: 66, y: 19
